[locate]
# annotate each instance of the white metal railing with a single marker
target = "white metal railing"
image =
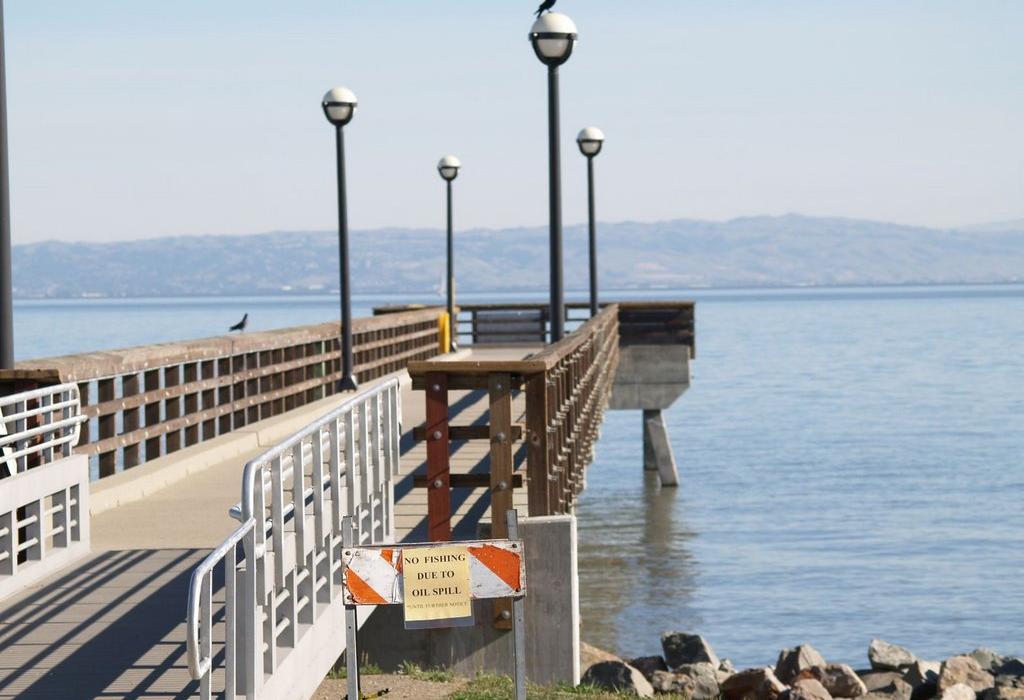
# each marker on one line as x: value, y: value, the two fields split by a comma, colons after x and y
x: 287, y: 551
x: 44, y: 515
x: 38, y: 426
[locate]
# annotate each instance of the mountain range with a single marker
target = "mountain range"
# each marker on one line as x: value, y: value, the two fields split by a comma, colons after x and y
x: 789, y: 250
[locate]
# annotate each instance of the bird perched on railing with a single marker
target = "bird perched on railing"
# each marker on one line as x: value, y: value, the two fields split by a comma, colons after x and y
x: 240, y: 326
x: 545, y: 7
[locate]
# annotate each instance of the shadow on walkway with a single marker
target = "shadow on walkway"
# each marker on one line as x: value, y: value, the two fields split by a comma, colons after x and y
x: 112, y: 626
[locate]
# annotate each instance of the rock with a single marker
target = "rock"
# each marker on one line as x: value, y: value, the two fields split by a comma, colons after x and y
x: 958, y: 691
x: 647, y: 665
x: 703, y: 680
x: 987, y: 659
x: 618, y: 676
x: 681, y: 649
x: 727, y: 667
x: 838, y: 679
x: 753, y: 684
x: 1008, y: 681
x: 590, y: 655
x: 963, y: 669
x: 792, y: 661
x: 877, y: 680
x: 808, y: 689
x: 1012, y: 666
x: 667, y: 682
x: 896, y: 690
x: 923, y: 677
x: 1005, y: 692
x: 921, y: 672
x: 888, y: 657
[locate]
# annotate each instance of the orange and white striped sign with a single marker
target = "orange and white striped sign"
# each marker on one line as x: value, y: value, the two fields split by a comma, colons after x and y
x: 373, y: 575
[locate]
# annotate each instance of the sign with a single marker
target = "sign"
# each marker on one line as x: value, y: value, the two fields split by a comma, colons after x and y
x: 435, y: 583
x: 374, y: 575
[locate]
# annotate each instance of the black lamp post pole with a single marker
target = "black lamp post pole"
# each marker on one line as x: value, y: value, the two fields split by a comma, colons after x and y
x: 452, y: 323
x: 6, y: 268
x: 555, y: 197
x: 593, y: 237
x: 348, y: 379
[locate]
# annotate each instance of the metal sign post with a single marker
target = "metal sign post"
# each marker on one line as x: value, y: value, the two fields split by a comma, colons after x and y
x: 439, y: 590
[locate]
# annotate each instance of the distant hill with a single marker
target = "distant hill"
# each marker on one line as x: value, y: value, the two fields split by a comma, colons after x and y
x: 754, y: 251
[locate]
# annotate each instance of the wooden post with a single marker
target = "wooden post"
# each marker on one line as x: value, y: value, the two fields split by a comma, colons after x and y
x: 538, y: 469
x: 439, y: 494
x: 151, y: 383
x: 192, y: 404
x: 501, y: 473
x: 132, y: 418
x: 172, y: 407
x: 107, y: 427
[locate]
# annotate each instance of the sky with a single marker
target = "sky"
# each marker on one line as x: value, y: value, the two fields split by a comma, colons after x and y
x: 136, y: 118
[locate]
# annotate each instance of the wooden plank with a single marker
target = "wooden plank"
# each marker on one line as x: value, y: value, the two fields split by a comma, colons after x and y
x: 467, y: 432
x: 439, y: 499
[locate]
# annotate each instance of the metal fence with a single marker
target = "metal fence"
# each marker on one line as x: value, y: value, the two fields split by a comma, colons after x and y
x: 44, y: 515
x: 281, y: 569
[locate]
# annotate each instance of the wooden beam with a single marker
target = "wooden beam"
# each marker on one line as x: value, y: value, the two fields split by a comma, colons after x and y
x: 467, y: 481
x: 467, y: 432
x: 439, y: 497
x: 502, y: 468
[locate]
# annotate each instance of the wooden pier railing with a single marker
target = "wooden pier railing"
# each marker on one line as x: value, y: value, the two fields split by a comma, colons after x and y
x: 147, y: 402
x: 566, y: 387
x: 642, y: 322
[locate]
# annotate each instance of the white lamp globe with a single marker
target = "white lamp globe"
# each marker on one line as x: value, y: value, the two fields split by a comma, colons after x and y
x: 339, y: 106
x: 590, y: 141
x: 553, y: 37
x: 449, y: 167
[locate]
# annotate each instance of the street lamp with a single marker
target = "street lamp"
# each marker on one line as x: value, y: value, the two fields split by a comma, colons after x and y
x: 449, y: 170
x: 339, y: 107
x: 553, y: 37
x: 590, y: 141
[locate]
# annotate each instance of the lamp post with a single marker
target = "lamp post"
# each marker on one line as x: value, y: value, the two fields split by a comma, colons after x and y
x: 590, y: 141
x: 553, y: 37
x: 6, y: 268
x: 339, y: 106
x: 449, y: 170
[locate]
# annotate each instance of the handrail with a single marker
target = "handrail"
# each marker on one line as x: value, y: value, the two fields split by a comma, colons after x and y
x: 44, y: 487
x: 254, y: 464
x: 198, y: 664
x: 37, y: 413
x: 294, y: 497
x: 552, y: 354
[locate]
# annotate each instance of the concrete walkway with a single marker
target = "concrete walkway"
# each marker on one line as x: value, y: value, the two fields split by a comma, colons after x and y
x: 113, y: 626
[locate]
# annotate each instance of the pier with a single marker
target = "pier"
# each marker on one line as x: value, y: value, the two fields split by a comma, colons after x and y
x: 172, y: 515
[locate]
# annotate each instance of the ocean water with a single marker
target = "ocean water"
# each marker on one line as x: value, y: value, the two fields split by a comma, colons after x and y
x: 852, y: 466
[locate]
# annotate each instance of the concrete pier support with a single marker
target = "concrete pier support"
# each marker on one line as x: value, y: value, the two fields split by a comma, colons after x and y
x: 657, y: 449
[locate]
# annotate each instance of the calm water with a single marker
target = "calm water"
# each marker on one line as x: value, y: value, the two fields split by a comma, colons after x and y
x: 852, y: 466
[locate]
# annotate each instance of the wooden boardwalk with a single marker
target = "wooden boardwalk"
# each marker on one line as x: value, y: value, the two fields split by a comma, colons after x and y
x: 113, y: 626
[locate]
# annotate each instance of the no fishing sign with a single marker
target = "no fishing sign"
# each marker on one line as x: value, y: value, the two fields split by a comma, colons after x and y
x: 435, y: 583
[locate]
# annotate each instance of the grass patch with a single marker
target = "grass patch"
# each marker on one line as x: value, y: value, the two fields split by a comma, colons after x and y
x: 490, y: 687
x: 433, y: 675
x: 340, y: 671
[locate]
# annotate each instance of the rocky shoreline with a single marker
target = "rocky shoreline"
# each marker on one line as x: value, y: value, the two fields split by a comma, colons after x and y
x: 690, y: 668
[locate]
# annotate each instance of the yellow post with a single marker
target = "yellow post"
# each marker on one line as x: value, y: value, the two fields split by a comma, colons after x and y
x: 444, y: 333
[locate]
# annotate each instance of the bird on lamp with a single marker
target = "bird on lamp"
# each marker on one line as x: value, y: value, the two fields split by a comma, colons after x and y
x: 240, y: 326
x: 545, y: 7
